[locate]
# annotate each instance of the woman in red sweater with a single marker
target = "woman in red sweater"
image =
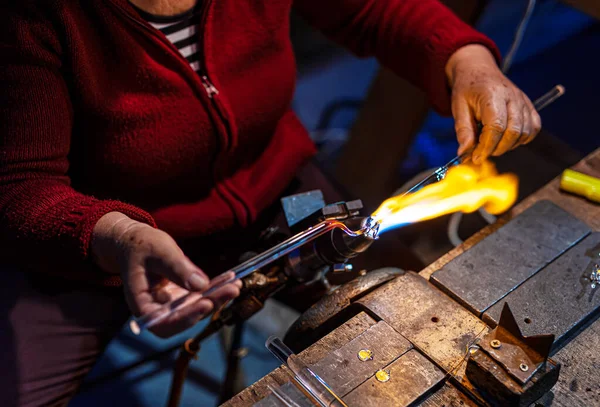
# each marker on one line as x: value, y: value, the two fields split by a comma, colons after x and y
x: 128, y: 129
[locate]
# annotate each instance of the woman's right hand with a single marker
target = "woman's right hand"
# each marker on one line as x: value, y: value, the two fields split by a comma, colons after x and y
x: 154, y: 271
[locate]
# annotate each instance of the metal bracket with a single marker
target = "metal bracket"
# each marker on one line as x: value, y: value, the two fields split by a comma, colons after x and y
x: 509, y: 369
x: 301, y: 214
x: 521, y: 356
x: 298, y: 207
x: 342, y: 210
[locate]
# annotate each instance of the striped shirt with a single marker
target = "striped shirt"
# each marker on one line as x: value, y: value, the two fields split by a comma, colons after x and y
x: 182, y: 31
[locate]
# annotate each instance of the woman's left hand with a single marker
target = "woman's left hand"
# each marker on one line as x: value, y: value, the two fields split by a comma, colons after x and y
x: 482, y: 94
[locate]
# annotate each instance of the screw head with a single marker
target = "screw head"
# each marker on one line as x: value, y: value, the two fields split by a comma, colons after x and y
x: 523, y: 367
x: 496, y: 344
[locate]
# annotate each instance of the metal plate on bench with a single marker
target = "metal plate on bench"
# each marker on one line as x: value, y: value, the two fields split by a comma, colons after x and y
x: 483, y: 275
x: 411, y: 378
x: 428, y: 318
x: 343, y: 370
x: 559, y: 298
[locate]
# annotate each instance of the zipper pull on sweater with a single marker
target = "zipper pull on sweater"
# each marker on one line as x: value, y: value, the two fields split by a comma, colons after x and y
x: 211, y: 90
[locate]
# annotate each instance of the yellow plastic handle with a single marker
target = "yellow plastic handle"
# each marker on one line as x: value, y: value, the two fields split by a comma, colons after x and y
x: 581, y: 184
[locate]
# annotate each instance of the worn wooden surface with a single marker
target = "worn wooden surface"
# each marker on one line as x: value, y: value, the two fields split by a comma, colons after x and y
x: 290, y: 390
x: 432, y: 321
x: 579, y: 207
x: 335, y: 340
x: 447, y: 396
x: 343, y: 369
x: 412, y: 377
x: 483, y: 275
x: 338, y: 338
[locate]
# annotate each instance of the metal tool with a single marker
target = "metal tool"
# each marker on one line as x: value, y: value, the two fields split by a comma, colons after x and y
x: 440, y: 173
x: 344, y: 245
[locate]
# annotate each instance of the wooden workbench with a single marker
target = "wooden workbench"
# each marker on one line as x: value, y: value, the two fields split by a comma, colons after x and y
x: 580, y: 361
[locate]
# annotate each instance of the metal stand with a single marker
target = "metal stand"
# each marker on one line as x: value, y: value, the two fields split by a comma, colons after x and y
x: 232, y: 383
x: 188, y: 352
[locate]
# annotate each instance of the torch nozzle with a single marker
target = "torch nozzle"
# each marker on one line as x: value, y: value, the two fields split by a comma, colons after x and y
x: 370, y: 228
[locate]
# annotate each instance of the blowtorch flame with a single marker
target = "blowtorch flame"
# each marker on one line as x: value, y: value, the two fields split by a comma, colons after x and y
x: 466, y: 188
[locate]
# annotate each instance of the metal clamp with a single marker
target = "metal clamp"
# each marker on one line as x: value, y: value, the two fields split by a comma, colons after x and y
x: 509, y: 368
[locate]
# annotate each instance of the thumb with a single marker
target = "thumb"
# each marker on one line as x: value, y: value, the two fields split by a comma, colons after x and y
x: 464, y: 124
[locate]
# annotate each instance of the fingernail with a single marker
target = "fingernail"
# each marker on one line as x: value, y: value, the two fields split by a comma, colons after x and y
x: 197, y: 282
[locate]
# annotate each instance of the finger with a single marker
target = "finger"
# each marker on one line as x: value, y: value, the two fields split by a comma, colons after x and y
x: 464, y: 124
x: 223, y: 278
x: 493, y: 118
x: 147, y: 302
x: 180, y: 270
x: 536, y: 121
x: 527, y: 127
x: 224, y: 294
x: 514, y: 128
x: 137, y: 290
x: 184, y: 318
x: 187, y: 316
x: 171, y: 292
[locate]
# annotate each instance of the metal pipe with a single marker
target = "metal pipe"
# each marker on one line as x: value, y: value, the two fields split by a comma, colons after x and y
x: 137, y: 325
x: 306, y: 263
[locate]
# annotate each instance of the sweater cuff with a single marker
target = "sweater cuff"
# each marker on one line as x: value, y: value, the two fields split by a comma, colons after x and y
x: 84, y: 218
x: 440, y: 51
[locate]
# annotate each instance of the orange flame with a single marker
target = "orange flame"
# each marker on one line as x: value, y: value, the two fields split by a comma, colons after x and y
x: 466, y: 188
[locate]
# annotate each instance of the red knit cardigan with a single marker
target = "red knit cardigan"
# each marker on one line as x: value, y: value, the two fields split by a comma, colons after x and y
x: 99, y: 113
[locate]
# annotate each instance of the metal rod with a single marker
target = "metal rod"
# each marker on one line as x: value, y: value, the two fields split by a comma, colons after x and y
x: 309, y: 380
x: 233, y: 364
x: 439, y: 174
x: 549, y: 98
x: 281, y: 396
x: 242, y: 270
